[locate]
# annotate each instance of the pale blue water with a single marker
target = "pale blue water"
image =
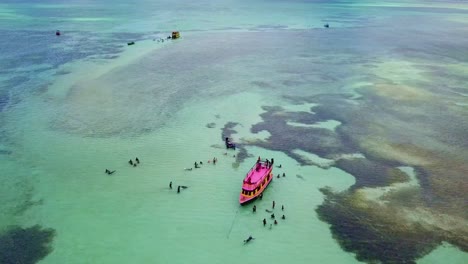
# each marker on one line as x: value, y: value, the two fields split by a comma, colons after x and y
x: 72, y: 103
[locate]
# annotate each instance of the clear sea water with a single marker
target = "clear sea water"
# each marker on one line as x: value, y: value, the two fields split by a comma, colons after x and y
x: 75, y: 105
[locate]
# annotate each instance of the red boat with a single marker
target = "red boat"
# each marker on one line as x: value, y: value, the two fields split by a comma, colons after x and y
x: 256, y: 180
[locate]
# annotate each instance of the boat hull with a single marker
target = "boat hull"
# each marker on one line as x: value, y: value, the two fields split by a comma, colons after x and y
x: 243, y: 200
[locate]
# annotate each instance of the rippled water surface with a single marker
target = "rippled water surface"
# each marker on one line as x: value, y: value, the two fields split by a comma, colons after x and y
x: 367, y: 118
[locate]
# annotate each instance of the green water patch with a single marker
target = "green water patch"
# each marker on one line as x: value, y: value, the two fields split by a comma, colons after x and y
x: 17, y: 190
x: 134, y: 210
x: 25, y: 245
x: 446, y: 252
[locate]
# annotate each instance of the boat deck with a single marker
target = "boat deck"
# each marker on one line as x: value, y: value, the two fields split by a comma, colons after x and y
x: 258, y: 171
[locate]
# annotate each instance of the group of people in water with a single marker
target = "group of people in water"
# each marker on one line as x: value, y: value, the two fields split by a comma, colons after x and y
x: 272, y: 216
x: 134, y: 164
x: 198, y: 164
x: 284, y: 175
x: 162, y: 39
x: 178, y: 187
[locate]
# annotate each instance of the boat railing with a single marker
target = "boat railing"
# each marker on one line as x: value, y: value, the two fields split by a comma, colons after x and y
x: 261, y: 163
x: 254, y: 168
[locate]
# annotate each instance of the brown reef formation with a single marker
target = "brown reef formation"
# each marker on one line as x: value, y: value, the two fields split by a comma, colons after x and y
x: 25, y: 245
x: 379, y: 218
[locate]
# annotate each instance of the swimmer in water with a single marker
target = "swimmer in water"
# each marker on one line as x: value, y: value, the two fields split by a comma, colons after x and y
x: 283, y: 217
x: 170, y: 185
x: 188, y: 169
x: 130, y: 162
x: 276, y: 222
x: 137, y: 160
x: 250, y: 238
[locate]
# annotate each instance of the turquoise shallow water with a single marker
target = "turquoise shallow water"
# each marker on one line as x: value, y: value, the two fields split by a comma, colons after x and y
x: 73, y: 106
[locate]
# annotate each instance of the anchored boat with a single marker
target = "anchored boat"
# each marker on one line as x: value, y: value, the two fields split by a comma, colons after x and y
x: 256, y: 180
x: 175, y: 35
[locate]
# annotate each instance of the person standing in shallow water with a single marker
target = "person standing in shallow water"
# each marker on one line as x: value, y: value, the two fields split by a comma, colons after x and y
x: 264, y: 221
x: 273, y: 205
x: 178, y: 189
x: 137, y: 160
x: 170, y: 185
x: 254, y: 209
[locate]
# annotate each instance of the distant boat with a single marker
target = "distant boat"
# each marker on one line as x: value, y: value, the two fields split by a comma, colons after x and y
x: 229, y: 144
x: 175, y: 35
x: 256, y: 181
